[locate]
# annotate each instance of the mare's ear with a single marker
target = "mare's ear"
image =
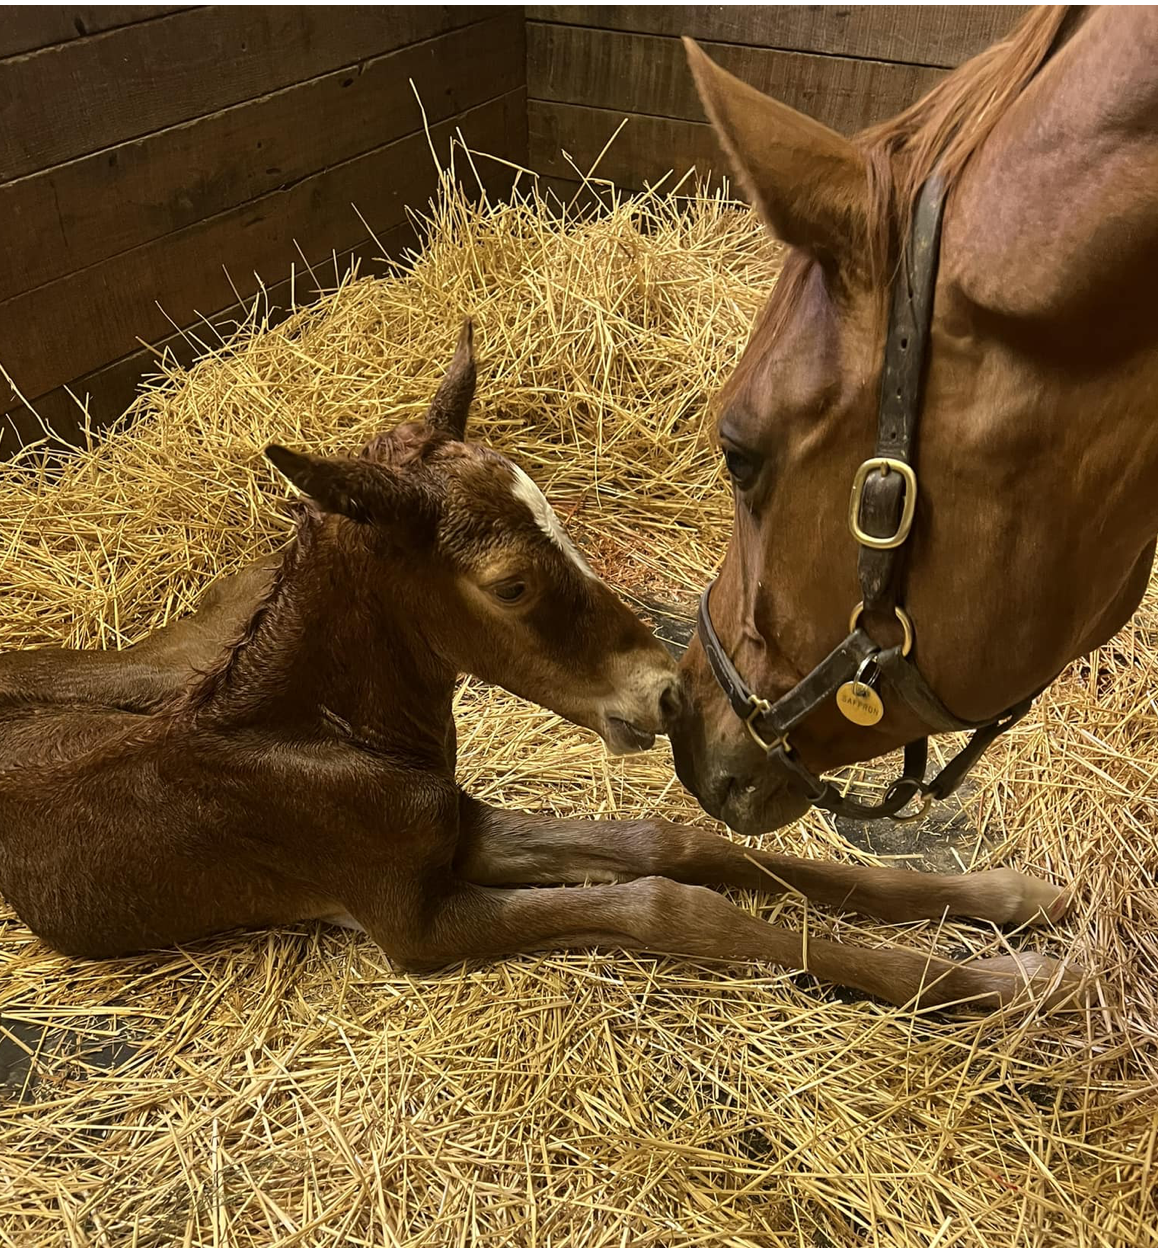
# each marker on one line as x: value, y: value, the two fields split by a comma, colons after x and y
x: 809, y: 183
x: 356, y: 488
x: 451, y: 402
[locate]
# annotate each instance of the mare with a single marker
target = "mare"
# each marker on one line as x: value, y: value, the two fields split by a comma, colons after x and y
x: 1033, y: 532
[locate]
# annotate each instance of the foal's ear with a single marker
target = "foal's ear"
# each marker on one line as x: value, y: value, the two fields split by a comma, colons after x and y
x: 809, y: 183
x: 451, y: 402
x: 356, y: 488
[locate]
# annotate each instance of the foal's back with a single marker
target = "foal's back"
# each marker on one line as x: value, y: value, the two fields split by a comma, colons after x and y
x: 144, y: 676
x: 129, y: 821
x: 100, y: 798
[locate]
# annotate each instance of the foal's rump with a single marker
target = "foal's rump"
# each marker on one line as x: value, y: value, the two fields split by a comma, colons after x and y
x: 114, y: 839
x: 118, y: 679
x: 41, y: 743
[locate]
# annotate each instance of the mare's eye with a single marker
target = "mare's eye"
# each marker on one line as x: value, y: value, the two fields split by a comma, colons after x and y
x: 742, y: 467
x: 509, y: 591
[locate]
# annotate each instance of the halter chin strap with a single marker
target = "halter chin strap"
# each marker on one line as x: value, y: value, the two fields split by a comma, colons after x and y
x: 769, y: 723
x: 881, y: 513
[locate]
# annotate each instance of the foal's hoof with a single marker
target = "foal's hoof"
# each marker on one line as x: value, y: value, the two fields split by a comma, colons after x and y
x: 1026, y: 900
x: 1030, y: 976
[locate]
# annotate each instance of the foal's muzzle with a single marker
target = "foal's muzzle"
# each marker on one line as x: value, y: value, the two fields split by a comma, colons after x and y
x: 645, y: 706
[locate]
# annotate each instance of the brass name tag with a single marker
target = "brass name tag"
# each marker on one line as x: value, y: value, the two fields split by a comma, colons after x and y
x: 859, y: 703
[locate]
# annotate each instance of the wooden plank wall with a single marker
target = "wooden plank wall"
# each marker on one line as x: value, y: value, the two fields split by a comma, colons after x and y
x: 159, y: 164
x: 591, y: 66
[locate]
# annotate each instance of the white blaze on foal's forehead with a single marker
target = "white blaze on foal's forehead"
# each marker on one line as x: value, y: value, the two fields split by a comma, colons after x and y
x: 526, y: 491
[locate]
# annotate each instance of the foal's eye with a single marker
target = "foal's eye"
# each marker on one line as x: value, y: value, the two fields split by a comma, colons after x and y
x: 742, y: 467
x: 509, y: 591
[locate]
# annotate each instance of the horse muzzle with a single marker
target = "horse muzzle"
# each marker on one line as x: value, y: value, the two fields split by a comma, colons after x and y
x: 733, y: 784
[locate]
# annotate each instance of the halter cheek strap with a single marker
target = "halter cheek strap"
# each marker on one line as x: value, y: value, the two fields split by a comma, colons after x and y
x: 882, y: 509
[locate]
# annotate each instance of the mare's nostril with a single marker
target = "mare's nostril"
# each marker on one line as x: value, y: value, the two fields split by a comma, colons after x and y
x: 670, y: 702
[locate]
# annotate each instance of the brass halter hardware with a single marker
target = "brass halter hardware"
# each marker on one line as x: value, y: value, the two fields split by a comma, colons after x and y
x: 917, y: 815
x: 901, y: 614
x: 761, y: 706
x: 883, y: 464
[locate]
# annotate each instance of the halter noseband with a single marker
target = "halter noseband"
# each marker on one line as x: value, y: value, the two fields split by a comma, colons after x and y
x: 881, y: 512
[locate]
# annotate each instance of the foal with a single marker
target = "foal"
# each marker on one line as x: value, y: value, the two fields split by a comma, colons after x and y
x: 288, y: 753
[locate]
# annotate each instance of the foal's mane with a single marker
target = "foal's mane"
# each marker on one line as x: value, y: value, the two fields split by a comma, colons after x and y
x: 209, y: 682
x: 941, y: 131
x: 400, y: 452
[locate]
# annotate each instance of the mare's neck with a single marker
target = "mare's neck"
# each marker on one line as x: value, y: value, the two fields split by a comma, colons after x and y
x: 340, y: 648
x: 1043, y: 450
x: 1052, y: 248
x: 1055, y: 222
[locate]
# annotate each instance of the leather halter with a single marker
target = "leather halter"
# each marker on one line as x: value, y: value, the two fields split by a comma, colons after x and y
x: 881, y: 513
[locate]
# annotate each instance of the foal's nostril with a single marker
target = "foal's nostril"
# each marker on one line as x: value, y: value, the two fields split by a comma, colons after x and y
x: 670, y: 702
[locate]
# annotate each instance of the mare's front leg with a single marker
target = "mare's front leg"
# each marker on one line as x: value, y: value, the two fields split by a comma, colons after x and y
x: 502, y: 847
x: 661, y: 916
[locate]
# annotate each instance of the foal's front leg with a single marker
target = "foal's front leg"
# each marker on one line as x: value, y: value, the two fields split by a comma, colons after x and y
x: 662, y: 916
x: 507, y: 847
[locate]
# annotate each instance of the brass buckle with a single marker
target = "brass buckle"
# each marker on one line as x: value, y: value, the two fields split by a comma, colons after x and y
x: 906, y: 625
x: 884, y: 465
x: 919, y: 813
x: 919, y: 790
x: 761, y: 706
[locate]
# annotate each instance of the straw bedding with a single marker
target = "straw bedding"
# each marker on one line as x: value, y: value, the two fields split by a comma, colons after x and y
x: 289, y: 1088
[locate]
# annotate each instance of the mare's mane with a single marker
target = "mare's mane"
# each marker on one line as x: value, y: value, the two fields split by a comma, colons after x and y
x: 942, y: 130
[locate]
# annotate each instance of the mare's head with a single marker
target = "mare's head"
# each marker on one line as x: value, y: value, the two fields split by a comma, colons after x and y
x: 1009, y: 572
x: 470, y: 547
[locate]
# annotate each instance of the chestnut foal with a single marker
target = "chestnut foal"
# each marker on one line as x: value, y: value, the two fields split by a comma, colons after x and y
x: 288, y: 753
